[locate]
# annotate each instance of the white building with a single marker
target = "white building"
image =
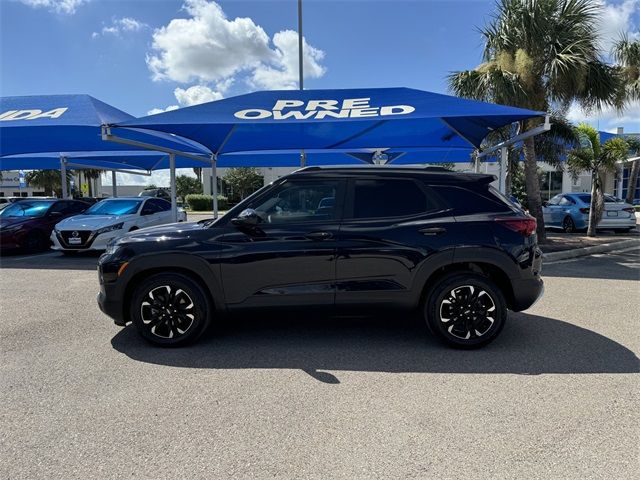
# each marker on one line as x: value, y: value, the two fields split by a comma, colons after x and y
x: 80, y: 186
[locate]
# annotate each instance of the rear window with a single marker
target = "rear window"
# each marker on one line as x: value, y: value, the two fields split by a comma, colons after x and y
x: 388, y: 198
x: 465, y: 201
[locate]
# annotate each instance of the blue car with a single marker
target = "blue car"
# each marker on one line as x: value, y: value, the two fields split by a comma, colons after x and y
x: 570, y: 212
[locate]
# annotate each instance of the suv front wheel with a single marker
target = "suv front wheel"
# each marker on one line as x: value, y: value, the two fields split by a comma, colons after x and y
x: 466, y: 310
x: 170, y: 309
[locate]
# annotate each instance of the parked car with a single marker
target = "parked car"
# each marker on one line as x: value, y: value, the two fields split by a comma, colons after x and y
x: 109, y: 219
x: 6, y: 201
x: 570, y: 212
x: 156, y: 192
x: 338, y: 238
x: 27, y: 224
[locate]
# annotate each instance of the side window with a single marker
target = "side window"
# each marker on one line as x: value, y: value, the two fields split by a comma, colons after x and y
x: 387, y: 198
x: 161, y: 205
x: 566, y: 201
x: 150, y: 208
x: 555, y: 200
x: 299, y: 201
x: 62, y: 207
x: 77, y: 207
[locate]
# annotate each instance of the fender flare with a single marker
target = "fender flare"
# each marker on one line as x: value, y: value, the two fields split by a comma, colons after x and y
x: 158, y: 261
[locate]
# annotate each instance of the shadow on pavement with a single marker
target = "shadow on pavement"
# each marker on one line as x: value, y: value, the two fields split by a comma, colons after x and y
x: 609, y: 266
x: 529, y: 345
x: 50, y: 260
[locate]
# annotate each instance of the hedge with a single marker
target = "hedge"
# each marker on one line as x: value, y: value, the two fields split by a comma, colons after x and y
x: 198, y: 202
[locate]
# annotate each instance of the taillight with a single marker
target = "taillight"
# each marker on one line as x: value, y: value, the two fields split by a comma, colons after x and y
x: 525, y: 226
x: 629, y: 209
x: 584, y: 210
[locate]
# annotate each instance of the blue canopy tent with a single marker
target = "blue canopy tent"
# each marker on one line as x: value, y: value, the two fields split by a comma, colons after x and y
x: 382, y: 118
x: 71, y: 123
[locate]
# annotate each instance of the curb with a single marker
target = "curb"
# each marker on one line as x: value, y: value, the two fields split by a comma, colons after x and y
x: 580, y: 252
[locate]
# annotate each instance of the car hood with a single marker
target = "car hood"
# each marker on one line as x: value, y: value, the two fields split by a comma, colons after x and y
x: 91, y: 222
x: 12, y: 221
x: 161, y: 232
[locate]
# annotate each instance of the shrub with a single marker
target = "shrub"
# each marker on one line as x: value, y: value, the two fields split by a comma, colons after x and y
x: 198, y: 202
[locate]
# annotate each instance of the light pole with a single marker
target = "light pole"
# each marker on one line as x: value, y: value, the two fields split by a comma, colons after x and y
x: 300, y: 68
x: 303, y: 155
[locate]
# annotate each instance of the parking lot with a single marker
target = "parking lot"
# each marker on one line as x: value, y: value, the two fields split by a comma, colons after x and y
x: 278, y: 397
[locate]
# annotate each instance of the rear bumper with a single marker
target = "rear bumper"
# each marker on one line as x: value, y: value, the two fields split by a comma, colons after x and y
x: 526, y: 292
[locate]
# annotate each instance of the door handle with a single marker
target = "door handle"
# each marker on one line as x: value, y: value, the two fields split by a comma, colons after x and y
x: 433, y: 231
x: 319, y: 235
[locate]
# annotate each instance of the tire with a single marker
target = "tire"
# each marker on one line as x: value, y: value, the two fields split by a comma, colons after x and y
x: 35, y: 241
x: 133, y: 229
x: 157, y: 321
x: 568, y: 225
x: 475, y: 327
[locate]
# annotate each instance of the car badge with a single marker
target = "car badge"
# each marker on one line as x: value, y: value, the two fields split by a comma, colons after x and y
x: 75, y: 234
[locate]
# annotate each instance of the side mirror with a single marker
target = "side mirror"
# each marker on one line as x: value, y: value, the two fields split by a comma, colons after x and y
x: 247, y: 218
x: 545, y: 204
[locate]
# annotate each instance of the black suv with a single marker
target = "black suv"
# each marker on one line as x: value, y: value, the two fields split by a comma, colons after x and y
x: 344, y: 238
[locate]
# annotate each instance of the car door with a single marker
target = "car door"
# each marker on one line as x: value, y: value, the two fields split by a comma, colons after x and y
x: 390, y: 226
x: 551, y: 209
x: 163, y: 213
x: 149, y: 214
x: 288, y: 259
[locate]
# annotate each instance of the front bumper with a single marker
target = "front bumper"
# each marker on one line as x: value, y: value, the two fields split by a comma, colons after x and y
x: 97, y: 243
x: 110, y: 300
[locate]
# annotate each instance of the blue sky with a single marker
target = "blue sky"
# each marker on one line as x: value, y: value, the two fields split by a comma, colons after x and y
x: 153, y: 54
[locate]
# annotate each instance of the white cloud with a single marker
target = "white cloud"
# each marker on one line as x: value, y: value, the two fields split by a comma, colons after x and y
x: 155, y: 111
x: 617, y: 18
x: 208, y: 47
x: 159, y: 178
x: 282, y: 73
x: 121, y: 25
x: 58, y: 6
x: 194, y: 95
x: 608, y: 119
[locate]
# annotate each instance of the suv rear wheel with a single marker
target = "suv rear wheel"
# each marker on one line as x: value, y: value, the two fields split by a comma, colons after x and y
x: 466, y: 310
x: 170, y: 309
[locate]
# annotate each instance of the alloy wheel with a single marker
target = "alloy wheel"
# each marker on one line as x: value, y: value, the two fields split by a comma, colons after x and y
x: 167, y: 312
x: 467, y: 312
x: 568, y: 225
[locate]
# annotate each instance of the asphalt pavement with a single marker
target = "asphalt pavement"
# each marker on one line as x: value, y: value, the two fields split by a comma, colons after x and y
x: 556, y: 396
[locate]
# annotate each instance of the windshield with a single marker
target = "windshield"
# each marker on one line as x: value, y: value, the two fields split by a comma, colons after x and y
x: 26, y: 208
x: 114, y: 207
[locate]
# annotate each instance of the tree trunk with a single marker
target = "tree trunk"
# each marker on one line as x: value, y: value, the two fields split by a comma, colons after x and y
x: 631, y: 182
x: 593, y: 215
x: 534, y: 201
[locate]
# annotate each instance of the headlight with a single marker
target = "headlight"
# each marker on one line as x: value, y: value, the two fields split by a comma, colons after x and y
x: 111, y: 248
x: 110, y: 228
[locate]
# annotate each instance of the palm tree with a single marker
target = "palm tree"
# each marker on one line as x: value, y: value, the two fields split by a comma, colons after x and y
x: 596, y: 157
x: 49, y: 180
x: 198, y: 172
x: 634, y: 169
x: 627, y: 53
x: 541, y: 54
x: 91, y: 174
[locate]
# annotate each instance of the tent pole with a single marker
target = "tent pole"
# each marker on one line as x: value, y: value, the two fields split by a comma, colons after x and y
x: 114, y: 186
x: 477, y: 164
x: 63, y: 177
x: 172, y: 180
x: 303, y: 158
x: 502, y: 184
x: 214, y: 185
